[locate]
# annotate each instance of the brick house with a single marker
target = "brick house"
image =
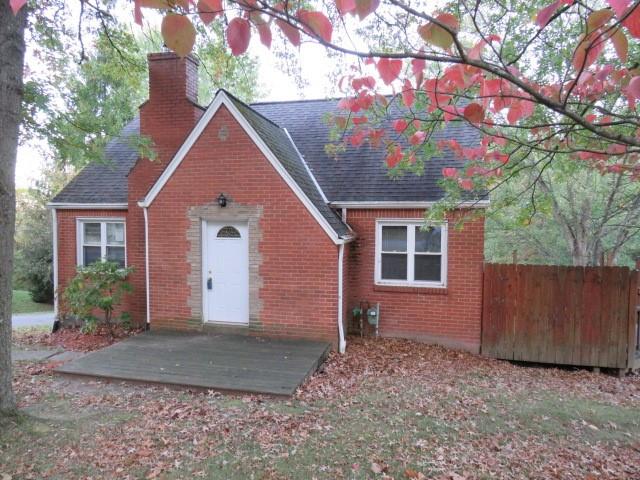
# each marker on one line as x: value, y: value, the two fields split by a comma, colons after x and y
x: 244, y: 221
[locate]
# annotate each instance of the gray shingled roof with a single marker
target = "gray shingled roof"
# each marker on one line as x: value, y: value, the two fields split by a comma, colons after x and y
x: 105, y: 182
x: 280, y: 144
x: 359, y: 174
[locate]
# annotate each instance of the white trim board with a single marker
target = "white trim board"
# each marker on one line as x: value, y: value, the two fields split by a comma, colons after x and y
x: 103, y: 240
x: 306, y: 166
x: 87, y: 206
x: 408, y: 204
x: 444, y: 254
x: 220, y: 99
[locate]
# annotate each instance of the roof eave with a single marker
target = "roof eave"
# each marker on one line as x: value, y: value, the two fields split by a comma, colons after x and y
x: 86, y: 206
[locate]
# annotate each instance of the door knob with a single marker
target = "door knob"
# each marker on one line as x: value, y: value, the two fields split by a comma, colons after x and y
x: 209, y: 283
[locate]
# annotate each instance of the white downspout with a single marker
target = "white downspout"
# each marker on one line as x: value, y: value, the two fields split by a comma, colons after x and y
x: 146, y: 264
x: 54, y: 234
x: 343, y: 342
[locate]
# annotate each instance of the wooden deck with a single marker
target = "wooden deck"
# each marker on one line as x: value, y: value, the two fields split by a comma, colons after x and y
x: 232, y: 363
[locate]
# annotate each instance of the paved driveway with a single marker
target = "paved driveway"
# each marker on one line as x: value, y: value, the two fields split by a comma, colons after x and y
x: 32, y: 319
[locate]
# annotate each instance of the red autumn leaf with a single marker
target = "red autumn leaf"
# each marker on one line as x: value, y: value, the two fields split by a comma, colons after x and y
x: 634, y: 87
x: 465, y: 183
x: 417, y: 66
x: 264, y: 30
x: 587, y: 51
x: 436, y: 35
x: 620, y: 44
x: 619, y: 6
x: 394, y: 157
x: 292, y: 33
x: 450, y: 172
x: 544, y: 15
x: 474, y: 113
x: 476, y: 51
x: 632, y: 22
x: 178, y: 33
x: 359, y: 83
x: 366, y: 7
x: 360, y: 120
x: 137, y: 12
x: 389, y: 69
x: 597, y: 19
x: 238, y: 35
x: 318, y: 24
x: 16, y: 5
x: 375, y: 137
x: 345, y: 6
x: 408, y: 94
x: 417, y: 138
x: 209, y: 10
x: 400, y: 125
x: 358, y: 138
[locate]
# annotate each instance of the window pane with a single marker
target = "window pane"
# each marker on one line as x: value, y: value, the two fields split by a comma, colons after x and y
x: 228, y: 232
x: 427, y: 267
x: 90, y: 255
x: 394, y: 239
x: 394, y: 266
x: 428, y: 240
x: 91, y: 233
x: 116, y: 254
x: 115, y: 233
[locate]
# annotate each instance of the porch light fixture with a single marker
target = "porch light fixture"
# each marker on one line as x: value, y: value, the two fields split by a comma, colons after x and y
x: 222, y: 200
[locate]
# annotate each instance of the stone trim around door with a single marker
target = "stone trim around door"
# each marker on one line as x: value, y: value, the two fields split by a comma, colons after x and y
x: 233, y: 212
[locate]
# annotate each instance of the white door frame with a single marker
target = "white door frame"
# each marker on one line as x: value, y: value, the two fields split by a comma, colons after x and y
x: 204, y: 262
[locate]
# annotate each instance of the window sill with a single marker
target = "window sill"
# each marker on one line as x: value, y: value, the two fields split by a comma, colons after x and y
x: 411, y: 289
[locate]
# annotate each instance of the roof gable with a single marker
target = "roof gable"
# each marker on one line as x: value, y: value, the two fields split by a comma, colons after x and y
x: 279, y: 150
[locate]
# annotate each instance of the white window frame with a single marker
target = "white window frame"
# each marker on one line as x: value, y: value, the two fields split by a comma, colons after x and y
x: 416, y: 223
x: 103, y: 236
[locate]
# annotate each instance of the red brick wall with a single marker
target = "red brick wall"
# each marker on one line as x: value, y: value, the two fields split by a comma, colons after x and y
x: 167, y: 118
x: 67, y: 246
x: 451, y: 316
x: 298, y: 260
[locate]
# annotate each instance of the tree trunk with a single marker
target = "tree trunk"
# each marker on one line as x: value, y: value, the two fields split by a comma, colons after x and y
x: 11, y: 69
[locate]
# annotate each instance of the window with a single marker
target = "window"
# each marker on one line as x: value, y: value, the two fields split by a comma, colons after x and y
x: 410, y: 253
x: 101, y: 240
x: 228, y: 232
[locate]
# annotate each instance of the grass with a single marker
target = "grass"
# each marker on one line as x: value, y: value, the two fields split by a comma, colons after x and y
x: 22, y: 303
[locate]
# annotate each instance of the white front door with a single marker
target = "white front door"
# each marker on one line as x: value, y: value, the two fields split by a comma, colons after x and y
x: 226, y: 272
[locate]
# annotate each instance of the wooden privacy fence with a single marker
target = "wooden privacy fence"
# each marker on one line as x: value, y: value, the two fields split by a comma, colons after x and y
x: 564, y: 315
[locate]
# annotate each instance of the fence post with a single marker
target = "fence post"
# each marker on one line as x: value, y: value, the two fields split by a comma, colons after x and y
x: 633, y: 316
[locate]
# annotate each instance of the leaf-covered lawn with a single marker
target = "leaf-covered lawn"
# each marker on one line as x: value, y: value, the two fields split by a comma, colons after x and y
x: 22, y: 303
x: 386, y: 409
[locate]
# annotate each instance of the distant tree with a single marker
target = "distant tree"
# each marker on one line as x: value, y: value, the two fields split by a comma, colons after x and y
x: 565, y: 213
x: 33, y: 268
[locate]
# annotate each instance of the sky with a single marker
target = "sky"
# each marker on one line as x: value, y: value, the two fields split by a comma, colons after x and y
x: 315, y: 67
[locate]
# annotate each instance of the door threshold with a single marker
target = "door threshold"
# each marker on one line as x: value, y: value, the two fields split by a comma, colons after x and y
x: 226, y: 328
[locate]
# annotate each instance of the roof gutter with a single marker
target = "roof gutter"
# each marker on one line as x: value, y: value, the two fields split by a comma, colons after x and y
x: 87, y: 206
x: 146, y: 264
x: 54, y: 240
x: 401, y: 204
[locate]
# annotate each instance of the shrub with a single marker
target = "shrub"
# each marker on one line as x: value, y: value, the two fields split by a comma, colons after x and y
x: 100, y: 286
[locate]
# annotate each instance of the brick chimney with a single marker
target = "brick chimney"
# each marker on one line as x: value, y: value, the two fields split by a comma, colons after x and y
x: 166, y: 118
x: 171, y: 111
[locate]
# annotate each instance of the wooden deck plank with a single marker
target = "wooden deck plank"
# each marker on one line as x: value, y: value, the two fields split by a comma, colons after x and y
x: 222, y: 362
